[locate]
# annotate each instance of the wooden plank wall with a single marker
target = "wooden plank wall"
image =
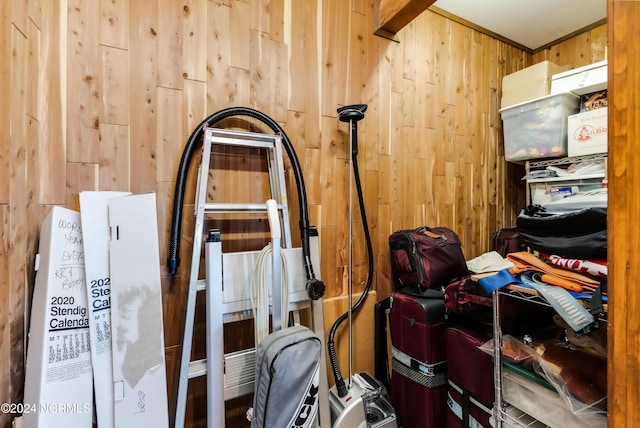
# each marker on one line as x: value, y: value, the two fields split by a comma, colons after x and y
x: 624, y: 126
x: 104, y: 94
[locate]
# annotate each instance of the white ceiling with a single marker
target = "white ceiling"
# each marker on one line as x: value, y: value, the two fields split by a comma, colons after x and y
x: 530, y: 23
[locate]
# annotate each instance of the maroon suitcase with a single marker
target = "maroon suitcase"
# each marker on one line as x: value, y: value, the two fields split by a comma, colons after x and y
x: 471, y: 389
x: 419, y: 363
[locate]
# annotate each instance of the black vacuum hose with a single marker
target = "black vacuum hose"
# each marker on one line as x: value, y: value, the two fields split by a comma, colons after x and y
x: 340, y: 384
x: 315, y: 287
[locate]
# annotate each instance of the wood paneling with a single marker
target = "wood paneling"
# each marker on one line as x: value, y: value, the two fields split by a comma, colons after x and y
x: 84, y: 76
x: 114, y: 23
x: 170, y: 44
x: 582, y: 50
x: 335, y: 307
x: 6, y: 60
x: 5, y: 317
x: 115, y: 96
x: 238, y: 37
x: 19, y: 198
x: 50, y: 147
x: 624, y: 209
x: 115, y: 163
x: 194, y: 40
x: 170, y: 102
x: 143, y: 102
x: 112, y: 109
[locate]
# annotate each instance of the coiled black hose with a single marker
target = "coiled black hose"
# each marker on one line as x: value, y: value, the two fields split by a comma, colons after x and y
x: 340, y: 384
x: 315, y: 287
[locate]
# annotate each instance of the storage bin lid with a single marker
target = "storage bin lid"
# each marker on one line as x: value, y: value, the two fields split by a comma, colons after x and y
x: 536, y: 103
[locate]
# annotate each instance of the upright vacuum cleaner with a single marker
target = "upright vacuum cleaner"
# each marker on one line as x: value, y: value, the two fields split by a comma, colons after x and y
x: 362, y: 401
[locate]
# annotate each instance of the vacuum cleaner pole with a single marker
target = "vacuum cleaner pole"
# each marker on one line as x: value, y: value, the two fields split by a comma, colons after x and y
x: 351, y: 114
x: 354, y: 139
x: 353, y: 132
x: 363, y: 403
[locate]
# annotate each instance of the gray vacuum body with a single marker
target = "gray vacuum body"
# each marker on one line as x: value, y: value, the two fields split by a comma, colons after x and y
x: 287, y: 379
x: 365, y: 406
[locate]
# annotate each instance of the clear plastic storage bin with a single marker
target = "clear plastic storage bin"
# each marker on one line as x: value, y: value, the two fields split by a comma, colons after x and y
x: 538, y: 128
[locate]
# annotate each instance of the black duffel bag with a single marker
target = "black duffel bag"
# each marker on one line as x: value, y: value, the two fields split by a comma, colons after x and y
x: 579, y: 234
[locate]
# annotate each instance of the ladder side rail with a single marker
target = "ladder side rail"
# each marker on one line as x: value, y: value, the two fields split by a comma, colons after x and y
x: 317, y: 325
x: 274, y: 185
x: 185, y: 360
x: 215, y: 329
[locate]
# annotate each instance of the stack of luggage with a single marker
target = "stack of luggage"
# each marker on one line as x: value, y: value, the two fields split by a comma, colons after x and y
x: 439, y: 376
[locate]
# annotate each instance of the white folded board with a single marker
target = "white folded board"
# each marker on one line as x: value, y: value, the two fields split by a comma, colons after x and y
x: 94, y: 213
x: 582, y: 80
x: 139, y: 377
x: 58, y: 381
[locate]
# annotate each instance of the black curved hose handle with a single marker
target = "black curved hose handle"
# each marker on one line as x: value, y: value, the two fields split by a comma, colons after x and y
x: 194, y: 140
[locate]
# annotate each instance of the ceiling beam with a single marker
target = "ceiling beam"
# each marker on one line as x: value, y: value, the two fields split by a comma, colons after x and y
x: 393, y: 15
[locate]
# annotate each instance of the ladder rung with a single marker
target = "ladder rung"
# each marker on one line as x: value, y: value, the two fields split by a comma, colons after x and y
x: 242, y: 139
x: 240, y: 367
x: 197, y: 368
x: 201, y: 285
x: 234, y: 208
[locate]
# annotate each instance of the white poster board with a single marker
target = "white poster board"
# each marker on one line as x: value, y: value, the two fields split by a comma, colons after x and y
x: 94, y: 213
x: 139, y: 377
x: 58, y: 380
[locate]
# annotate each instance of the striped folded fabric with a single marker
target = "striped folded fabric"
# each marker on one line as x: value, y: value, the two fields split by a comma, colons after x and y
x: 597, y: 268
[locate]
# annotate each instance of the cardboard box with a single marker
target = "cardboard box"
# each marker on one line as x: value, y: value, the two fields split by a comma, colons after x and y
x: 528, y: 83
x: 582, y: 80
x: 538, y: 128
x: 587, y: 132
x: 58, y: 388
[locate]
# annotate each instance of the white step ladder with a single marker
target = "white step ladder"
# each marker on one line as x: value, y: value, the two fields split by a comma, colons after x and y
x: 232, y: 375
